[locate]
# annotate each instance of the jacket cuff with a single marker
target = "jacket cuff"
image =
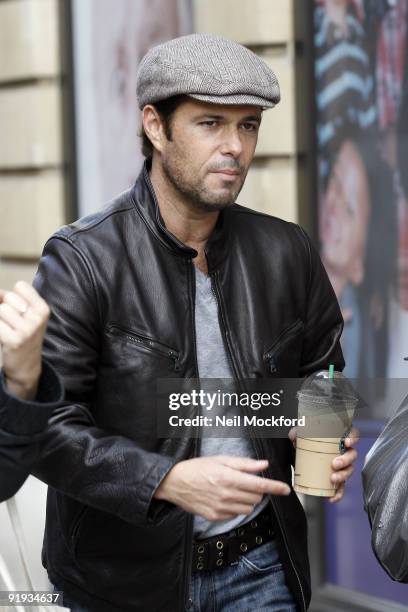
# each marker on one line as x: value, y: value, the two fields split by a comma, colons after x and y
x: 156, y: 509
x: 21, y: 417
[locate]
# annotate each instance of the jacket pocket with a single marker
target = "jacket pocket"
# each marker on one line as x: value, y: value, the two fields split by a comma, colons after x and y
x: 76, y: 528
x: 284, y: 353
x: 145, y: 343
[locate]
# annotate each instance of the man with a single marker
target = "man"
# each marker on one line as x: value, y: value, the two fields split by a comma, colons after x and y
x: 174, y: 280
x: 29, y: 388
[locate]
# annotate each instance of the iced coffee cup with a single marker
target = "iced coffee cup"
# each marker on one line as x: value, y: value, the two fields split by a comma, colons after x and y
x: 327, y: 401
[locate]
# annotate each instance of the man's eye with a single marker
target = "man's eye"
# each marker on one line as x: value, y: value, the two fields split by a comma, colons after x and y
x: 250, y: 127
x: 209, y: 123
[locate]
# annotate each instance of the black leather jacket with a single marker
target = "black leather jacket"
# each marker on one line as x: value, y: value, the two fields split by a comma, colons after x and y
x: 22, y: 425
x: 121, y: 291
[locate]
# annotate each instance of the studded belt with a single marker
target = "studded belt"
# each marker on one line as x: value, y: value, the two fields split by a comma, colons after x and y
x: 224, y: 549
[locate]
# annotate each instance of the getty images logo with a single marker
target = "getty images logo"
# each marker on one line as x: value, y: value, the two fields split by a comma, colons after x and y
x: 208, y: 401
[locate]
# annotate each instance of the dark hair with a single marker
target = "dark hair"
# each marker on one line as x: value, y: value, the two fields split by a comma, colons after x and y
x: 166, y: 109
x: 380, y: 257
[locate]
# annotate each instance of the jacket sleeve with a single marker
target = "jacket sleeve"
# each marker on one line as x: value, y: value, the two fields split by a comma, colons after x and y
x: 22, y: 425
x: 323, y: 321
x: 109, y: 472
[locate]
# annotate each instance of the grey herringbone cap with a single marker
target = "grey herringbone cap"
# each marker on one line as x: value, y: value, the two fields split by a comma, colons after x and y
x: 208, y: 68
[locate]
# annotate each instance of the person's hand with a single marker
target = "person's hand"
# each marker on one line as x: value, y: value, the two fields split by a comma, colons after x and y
x: 219, y: 487
x: 342, y: 465
x: 23, y: 320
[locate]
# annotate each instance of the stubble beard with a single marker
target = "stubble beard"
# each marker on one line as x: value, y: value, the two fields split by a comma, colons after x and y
x: 197, y: 193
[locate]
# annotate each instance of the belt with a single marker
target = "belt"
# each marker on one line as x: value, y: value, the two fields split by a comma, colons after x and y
x: 225, y: 548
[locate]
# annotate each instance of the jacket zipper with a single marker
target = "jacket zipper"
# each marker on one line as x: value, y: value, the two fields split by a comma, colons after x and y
x: 189, y: 523
x: 276, y: 347
x: 223, y: 325
x: 254, y: 440
x: 188, y: 548
x: 151, y: 345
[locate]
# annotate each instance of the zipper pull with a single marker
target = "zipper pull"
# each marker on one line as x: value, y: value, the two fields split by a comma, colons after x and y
x: 272, y: 363
x: 176, y: 359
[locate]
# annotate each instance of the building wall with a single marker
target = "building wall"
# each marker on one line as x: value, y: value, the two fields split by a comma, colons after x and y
x: 32, y: 191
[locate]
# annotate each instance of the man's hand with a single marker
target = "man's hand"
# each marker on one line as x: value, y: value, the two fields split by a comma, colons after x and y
x: 342, y: 465
x: 23, y: 320
x: 220, y: 487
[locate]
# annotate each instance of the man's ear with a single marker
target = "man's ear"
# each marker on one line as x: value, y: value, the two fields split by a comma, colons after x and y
x: 153, y: 127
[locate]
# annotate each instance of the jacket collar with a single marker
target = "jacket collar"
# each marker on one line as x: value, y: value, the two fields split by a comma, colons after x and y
x: 145, y: 201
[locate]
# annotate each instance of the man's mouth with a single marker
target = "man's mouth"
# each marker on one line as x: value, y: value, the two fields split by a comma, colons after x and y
x: 227, y: 173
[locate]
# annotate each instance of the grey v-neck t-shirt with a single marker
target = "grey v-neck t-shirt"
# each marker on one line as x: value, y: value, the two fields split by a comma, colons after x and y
x: 213, y: 363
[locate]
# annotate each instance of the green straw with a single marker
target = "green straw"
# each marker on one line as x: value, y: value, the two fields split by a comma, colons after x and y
x: 331, y: 371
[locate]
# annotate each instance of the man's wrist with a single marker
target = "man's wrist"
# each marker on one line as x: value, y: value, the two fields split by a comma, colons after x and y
x: 162, y: 492
x: 25, y: 390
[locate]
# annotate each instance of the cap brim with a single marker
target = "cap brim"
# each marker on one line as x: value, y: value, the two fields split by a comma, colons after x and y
x: 242, y: 99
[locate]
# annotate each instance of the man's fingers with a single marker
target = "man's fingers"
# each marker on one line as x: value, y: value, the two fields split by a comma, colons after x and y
x: 238, y: 496
x: 244, y: 464
x: 339, y: 494
x: 342, y: 475
x: 6, y: 334
x: 250, y: 482
x: 238, y: 509
x: 260, y: 485
x: 15, y: 301
x: 352, y: 438
x: 344, y: 460
x: 11, y: 317
x: 30, y: 295
x: 292, y: 436
x: 223, y: 517
x: 349, y: 457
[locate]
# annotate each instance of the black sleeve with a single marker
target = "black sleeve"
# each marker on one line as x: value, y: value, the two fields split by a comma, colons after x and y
x: 22, y: 424
x: 107, y: 471
x: 324, y: 321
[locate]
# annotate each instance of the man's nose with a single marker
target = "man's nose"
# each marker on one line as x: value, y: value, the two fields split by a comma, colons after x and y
x: 231, y: 144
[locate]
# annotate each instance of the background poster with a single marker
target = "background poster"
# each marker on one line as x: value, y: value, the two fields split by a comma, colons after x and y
x: 361, y: 89
x: 361, y: 80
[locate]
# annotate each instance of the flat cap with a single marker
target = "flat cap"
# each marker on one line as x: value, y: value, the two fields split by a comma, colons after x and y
x: 206, y: 67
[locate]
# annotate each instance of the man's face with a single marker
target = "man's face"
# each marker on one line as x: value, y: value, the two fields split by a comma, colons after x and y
x: 344, y: 215
x: 210, y: 151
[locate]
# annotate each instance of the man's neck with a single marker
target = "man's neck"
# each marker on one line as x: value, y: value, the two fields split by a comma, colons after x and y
x: 192, y: 227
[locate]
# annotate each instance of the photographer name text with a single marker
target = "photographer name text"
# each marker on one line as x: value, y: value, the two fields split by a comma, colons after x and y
x: 235, y: 421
